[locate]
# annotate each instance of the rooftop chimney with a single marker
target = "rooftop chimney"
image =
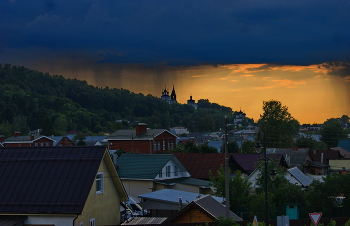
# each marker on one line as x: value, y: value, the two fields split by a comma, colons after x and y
x: 16, y: 134
x: 141, y: 128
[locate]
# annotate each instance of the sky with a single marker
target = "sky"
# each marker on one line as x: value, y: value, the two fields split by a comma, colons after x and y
x: 234, y: 53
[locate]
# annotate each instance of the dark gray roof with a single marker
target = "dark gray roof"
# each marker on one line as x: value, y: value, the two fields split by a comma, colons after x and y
x: 172, y: 196
x: 144, y: 220
x: 294, y: 158
x: 209, y: 206
x: 187, y: 181
x: 131, y: 134
x: 47, y: 179
x: 300, y: 176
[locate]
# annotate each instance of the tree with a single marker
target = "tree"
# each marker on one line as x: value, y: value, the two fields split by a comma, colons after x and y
x: 321, y: 196
x: 331, y: 132
x: 248, y: 146
x: 232, y: 147
x: 47, y: 129
x: 277, y: 124
x: 306, y: 142
x: 239, y: 187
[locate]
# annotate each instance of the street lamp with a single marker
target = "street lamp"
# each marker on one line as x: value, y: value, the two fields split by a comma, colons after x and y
x: 273, y: 175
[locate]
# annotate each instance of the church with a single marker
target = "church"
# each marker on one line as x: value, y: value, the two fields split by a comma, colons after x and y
x: 172, y: 98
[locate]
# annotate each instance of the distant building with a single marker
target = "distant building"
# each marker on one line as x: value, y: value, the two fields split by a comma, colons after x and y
x: 170, y: 99
x: 192, y: 102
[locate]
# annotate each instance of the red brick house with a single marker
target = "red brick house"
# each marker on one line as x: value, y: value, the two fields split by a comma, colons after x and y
x: 27, y: 141
x: 142, y: 140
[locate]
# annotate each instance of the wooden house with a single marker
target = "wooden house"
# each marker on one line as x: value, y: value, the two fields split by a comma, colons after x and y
x: 202, y: 210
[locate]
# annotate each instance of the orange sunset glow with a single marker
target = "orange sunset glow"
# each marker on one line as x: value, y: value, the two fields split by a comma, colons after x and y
x: 312, y: 93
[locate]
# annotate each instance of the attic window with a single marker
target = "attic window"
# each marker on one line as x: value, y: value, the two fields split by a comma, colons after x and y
x: 167, y: 171
x: 176, y: 171
x: 99, y: 183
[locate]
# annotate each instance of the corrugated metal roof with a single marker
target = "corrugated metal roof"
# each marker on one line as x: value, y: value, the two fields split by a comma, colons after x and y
x: 12, y: 220
x: 199, y: 164
x: 188, y: 181
x: 172, y: 196
x: 47, y: 179
x: 300, y: 176
x: 144, y: 220
x: 144, y: 166
x: 214, y: 208
x: 209, y: 206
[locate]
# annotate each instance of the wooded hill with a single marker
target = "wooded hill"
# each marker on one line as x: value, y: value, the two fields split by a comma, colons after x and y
x: 29, y: 96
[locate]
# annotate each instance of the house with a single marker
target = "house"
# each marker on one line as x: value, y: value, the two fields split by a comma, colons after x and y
x: 60, y: 186
x: 142, y: 140
x: 62, y: 141
x: 17, y: 140
x: 202, y: 210
x: 167, y: 202
x: 199, y: 164
x: 246, y: 163
x: 141, y: 172
x: 293, y: 157
x: 186, y: 184
x: 319, y: 161
x: 293, y: 175
x: 339, y: 165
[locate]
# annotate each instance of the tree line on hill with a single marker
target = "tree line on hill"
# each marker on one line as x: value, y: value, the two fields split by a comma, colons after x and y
x: 29, y: 98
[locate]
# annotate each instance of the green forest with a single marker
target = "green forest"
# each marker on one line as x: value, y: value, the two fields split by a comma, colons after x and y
x: 29, y: 97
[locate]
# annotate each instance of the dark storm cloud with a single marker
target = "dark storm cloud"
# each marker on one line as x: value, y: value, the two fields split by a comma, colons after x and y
x: 340, y: 69
x: 181, y: 32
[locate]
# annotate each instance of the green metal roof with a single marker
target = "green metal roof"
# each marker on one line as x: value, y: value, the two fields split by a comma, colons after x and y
x: 142, y: 166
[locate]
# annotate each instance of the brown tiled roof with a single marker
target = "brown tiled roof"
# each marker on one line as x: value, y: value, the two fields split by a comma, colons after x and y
x: 47, y: 179
x: 199, y: 164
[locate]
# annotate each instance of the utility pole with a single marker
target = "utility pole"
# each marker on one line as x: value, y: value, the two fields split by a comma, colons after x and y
x: 226, y: 174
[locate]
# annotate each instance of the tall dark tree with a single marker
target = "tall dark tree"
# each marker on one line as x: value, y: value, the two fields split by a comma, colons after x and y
x: 47, y: 129
x: 277, y: 125
x: 331, y: 132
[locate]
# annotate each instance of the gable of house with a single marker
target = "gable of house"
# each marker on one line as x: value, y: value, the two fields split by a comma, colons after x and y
x: 149, y: 166
x: 203, y: 209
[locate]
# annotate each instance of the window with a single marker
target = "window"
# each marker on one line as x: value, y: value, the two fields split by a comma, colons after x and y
x: 176, y: 171
x: 167, y: 171
x: 163, y: 144
x: 161, y: 173
x: 99, y: 183
x: 36, y: 144
x: 92, y: 222
x: 158, y: 143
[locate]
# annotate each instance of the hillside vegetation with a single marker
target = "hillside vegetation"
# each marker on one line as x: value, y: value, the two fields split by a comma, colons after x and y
x: 29, y: 96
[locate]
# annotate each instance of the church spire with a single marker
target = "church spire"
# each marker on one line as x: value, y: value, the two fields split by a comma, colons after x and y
x: 173, y: 96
